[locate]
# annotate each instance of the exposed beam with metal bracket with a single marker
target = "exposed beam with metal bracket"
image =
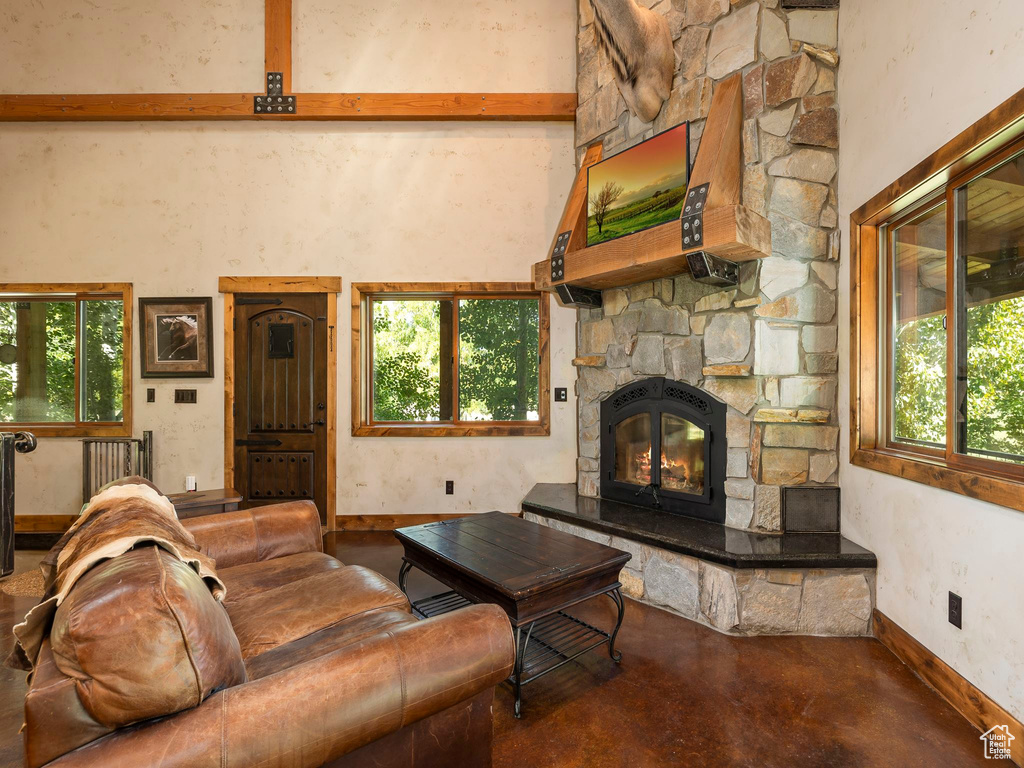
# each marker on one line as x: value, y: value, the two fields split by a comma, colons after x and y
x: 256, y: 105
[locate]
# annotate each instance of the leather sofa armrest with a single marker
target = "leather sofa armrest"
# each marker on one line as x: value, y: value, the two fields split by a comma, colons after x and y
x: 260, y: 533
x: 318, y: 710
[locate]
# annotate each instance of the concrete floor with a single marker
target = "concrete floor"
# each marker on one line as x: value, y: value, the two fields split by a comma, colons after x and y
x: 684, y: 695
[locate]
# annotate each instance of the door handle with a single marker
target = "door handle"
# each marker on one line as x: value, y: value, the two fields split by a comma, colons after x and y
x: 257, y: 442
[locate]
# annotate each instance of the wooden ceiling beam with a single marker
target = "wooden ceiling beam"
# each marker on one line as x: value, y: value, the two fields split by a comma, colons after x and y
x: 277, y: 34
x: 312, y: 106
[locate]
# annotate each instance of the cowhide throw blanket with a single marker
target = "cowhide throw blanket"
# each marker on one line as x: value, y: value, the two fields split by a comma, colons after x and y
x: 116, y: 519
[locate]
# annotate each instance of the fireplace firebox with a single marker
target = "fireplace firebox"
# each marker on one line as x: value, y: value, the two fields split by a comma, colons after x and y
x: 663, y: 447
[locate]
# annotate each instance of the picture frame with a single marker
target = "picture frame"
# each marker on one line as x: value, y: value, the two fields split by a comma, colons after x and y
x: 640, y: 187
x: 176, y: 337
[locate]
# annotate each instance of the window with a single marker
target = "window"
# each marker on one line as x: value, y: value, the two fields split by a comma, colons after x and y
x: 65, y: 363
x: 441, y: 359
x: 917, y: 339
x: 938, y: 325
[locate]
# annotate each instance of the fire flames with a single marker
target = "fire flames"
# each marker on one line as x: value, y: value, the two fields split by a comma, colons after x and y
x: 676, y: 472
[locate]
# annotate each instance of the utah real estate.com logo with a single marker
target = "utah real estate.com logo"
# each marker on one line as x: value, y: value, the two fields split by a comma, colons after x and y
x: 997, y: 742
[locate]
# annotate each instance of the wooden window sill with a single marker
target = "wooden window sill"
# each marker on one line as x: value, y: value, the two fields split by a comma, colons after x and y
x: 936, y: 473
x: 70, y: 430
x: 452, y: 430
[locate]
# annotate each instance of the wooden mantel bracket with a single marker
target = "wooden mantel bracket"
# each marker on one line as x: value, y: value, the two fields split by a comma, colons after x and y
x: 727, y: 229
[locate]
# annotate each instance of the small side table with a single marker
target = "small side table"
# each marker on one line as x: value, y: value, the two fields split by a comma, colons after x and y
x: 534, y: 573
x: 212, y: 502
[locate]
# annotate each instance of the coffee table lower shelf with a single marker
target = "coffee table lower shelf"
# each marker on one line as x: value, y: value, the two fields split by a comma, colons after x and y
x: 542, y: 646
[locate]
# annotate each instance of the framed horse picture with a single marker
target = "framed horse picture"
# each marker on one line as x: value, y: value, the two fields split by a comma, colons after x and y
x: 177, y: 337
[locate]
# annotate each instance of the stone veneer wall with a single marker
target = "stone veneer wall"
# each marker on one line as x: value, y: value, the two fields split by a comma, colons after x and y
x: 768, y: 347
x: 800, y: 601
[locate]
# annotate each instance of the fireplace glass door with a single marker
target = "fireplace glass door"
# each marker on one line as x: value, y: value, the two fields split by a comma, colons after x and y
x: 633, y: 450
x: 663, y: 447
x: 682, y: 455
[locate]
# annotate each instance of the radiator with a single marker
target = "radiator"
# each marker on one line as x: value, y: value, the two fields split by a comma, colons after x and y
x: 105, y: 459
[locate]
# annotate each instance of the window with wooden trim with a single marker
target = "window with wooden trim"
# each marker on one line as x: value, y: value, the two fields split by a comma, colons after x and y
x: 65, y: 359
x: 444, y: 359
x: 938, y: 317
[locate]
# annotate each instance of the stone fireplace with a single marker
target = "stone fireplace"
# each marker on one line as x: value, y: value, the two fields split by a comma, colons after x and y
x: 765, y: 349
x: 663, y: 447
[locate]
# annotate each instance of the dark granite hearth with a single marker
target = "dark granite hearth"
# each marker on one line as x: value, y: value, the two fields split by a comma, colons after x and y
x: 697, y: 538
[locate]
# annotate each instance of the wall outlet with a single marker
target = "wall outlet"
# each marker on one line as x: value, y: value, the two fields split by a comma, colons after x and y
x: 449, y: 487
x: 184, y: 396
x: 956, y: 610
x: 150, y: 395
x: 561, y: 395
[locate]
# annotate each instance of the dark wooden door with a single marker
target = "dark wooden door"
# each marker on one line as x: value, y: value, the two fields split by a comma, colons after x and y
x: 281, y: 398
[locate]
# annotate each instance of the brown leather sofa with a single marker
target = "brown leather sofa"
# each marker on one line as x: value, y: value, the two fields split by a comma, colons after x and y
x: 308, y: 662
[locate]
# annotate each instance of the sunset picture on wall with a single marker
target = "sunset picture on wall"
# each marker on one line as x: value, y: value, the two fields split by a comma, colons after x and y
x: 638, y: 188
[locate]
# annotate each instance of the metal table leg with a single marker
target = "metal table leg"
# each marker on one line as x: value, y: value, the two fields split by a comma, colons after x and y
x: 403, y: 574
x: 517, y: 669
x: 617, y: 598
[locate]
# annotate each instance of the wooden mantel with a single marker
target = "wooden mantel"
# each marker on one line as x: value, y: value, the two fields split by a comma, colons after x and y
x: 730, y: 230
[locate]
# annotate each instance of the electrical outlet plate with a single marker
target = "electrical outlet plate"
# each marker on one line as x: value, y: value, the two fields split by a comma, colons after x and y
x: 956, y: 610
x: 561, y: 395
x: 185, y: 396
x: 449, y: 487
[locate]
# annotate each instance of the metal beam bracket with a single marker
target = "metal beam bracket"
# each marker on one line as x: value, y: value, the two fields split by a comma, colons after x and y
x: 574, y: 295
x: 693, y: 216
x: 558, y: 256
x: 713, y: 270
x: 275, y: 102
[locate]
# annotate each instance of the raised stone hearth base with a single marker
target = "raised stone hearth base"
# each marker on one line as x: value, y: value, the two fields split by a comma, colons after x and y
x: 748, y: 601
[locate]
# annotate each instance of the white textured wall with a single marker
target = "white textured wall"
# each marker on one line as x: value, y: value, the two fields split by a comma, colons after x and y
x: 139, y: 46
x: 913, y: 75
x: 172, y: 206
x: 435, y: 45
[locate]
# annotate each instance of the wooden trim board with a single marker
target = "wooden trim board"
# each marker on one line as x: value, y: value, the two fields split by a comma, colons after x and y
x: 229, y: 286
x: 391, y: 522
x: 44, y: 107
x: 43, y: 523
x: 980, y: 710
x: 259, y: 284
x: 277, y: 40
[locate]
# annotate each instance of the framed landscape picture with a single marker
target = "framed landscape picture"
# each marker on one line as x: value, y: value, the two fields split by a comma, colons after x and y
x: 176, y: 340
x: 638, y: 188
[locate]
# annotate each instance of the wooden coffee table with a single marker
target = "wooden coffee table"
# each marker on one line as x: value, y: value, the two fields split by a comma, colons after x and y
x: 533, y: 572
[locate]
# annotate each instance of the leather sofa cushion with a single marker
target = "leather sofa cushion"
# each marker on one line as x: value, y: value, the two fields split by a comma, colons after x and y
x: 52, y: 698
x: 143, y: 637
x: 327, y: 640
x: 246, y: 580
x: 271, y: 618
x: 260, y: 533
